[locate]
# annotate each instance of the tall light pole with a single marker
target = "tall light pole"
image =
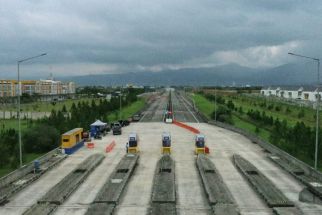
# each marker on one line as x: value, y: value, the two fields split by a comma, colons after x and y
x: 19, y: 108
x: 317, y: 106
x: 120, y: 104
x: 216, y: 103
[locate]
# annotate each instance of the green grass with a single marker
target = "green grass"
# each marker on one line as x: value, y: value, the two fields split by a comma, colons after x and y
x: 248, y: 103
x: 5, y: 171
x: 127, y: 111
x: 12, y: 123
x: 32, y: 156
x: 243, y: 122
x: 251, y: 128
x: 207, y: 107
x: 49, y: 106
x: 203, y: 104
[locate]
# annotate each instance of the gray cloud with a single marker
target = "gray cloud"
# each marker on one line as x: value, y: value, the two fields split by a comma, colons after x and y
x: 90, y: 37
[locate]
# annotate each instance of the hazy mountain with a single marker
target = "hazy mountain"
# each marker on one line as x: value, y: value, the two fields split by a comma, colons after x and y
x: 226, y: 75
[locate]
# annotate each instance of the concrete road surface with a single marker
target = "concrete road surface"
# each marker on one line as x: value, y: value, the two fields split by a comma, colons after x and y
x: 190, y: 195
x: 191, y: 198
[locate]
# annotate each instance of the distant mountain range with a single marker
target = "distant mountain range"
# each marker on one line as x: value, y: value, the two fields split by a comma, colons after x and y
x: 226, y: 75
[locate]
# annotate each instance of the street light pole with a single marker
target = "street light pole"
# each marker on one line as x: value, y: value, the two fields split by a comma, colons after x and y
x: 120, y: 104
x: 216, y: 104
x: 19, y: 108
x: 317, y: 119
x: 317, y: 107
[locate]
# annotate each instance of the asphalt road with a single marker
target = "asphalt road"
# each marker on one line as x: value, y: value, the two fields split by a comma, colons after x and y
x: 182, y: 109
x: 155, y: 111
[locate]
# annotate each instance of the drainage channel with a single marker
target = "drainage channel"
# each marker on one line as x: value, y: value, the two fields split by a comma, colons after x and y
x: 273, y: 197
x: 110, y: 194
x: 20, y: 179
x: 219, y: 197
x: 61, y: 191
x: 163, y: 200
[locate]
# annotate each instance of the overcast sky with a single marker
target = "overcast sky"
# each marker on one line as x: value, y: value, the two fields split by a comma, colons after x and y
x: 111, y: 36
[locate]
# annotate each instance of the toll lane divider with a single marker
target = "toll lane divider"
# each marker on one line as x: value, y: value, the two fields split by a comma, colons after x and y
x: 58, y: 194
x: 163, y: 199
x: 219, y: 197
x: 110, y: 194
x: 27, y: 174
x: 189, y: 128
x: 110, y: 146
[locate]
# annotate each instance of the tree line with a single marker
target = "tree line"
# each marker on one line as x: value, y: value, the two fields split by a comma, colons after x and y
x: 43, y: 135
x: 297, y: 140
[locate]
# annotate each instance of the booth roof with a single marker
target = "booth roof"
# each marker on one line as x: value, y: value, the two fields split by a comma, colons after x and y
x: 98, y: 123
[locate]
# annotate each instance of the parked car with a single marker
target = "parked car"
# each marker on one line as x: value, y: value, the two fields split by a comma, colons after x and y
x: 124, y: 122
x: 117, y: 128
x: 136, y: 117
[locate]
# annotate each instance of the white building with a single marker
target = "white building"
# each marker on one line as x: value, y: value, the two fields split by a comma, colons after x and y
x: 305, y: 93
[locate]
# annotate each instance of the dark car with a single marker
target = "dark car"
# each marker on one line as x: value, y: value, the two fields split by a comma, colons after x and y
x: 124, y: 122
x: 117, y: 128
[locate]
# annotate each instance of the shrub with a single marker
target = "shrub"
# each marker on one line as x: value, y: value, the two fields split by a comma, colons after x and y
x: 301, y: 114
x: 223, y: 114
x: 240, y: 110
x: 231, y: 105
x: 41, y: 138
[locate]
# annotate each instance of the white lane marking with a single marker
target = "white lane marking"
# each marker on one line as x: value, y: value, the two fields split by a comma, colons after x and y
x: 189, y: 110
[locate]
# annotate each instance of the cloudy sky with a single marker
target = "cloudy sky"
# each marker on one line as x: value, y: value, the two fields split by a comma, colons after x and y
x: 112, y: 36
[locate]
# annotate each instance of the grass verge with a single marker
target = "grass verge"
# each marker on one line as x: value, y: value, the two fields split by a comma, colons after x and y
x: 127, y: 111
x: 204, y: 105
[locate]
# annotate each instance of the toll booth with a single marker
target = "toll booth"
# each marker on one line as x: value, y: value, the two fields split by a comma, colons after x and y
x: 166, y: 143
x: 200, y: 144
x: 133, y: 143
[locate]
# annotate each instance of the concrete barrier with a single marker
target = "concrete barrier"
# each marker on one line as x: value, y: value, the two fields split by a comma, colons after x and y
x: 163, y: 198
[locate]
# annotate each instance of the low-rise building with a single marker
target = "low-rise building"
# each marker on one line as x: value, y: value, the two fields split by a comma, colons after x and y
x: 9, y: 88
x: 305, y: 93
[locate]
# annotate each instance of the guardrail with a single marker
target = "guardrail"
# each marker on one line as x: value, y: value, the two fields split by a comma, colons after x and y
x: 18, y: 173
x: 266, y: 145
x: 272, y: 149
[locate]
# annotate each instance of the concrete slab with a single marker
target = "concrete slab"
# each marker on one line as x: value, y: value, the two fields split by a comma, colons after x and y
x: 191, y: 198
x: 29, y: 196
x: 137, y: 195
x: 78, y: 202
x: 223, y: 144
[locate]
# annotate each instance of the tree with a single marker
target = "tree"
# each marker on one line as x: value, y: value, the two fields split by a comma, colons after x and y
x: 41, y: 138
x: 9, y: 148
x: 231, y: 105
x: 223, y: 114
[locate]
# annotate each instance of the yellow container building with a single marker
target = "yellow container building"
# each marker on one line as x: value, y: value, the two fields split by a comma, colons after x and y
x: 72, y: 140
